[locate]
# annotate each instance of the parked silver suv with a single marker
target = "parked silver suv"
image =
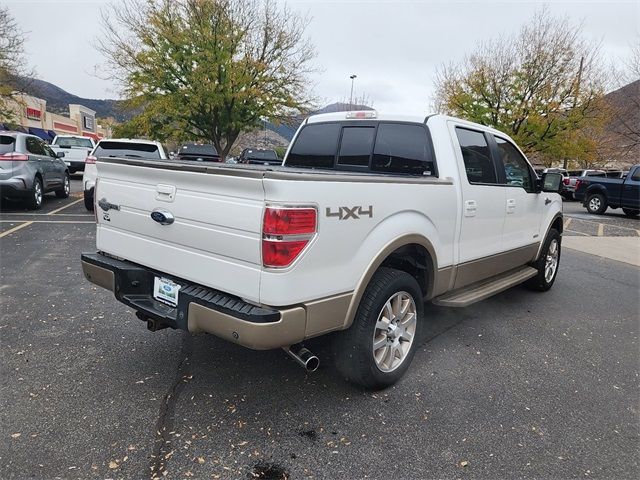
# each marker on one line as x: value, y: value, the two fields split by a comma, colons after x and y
x: 29, y: 169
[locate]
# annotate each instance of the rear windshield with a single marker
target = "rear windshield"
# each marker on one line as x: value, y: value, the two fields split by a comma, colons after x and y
x: 67, y: 142
x: 397, y: 148
x: 7, y: 144
x: 192, y: 149
x: 596, y: 174
x: 262, y: 155
x: 127, y: 150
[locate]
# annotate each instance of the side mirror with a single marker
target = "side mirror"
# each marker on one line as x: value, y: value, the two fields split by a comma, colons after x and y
x: 550, y: 182
x: 59, y: 154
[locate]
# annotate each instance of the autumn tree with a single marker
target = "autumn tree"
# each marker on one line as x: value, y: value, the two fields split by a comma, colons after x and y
x: 12, y: 62
x: 542, y: 86
x: 207, y: 69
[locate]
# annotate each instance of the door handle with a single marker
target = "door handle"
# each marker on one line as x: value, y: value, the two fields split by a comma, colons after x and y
x: 511, y: 205
x: 165, y: 193
x: 470, y: 207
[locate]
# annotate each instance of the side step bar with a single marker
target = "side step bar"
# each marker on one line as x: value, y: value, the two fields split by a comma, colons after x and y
x: 465, y: 296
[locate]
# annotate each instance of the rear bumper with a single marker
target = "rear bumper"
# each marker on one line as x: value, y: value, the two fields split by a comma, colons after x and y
x: 14, y: 188
x: 199, y: 309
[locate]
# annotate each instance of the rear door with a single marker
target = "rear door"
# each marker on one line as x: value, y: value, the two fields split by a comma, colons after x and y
x: 37, y: 155
x: 630, y: 197
x: 483, y: 198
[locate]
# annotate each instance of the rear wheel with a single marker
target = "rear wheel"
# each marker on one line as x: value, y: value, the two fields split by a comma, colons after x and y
x: 630, y: 212
x: 34, y: 201
x: 596, y: 203
x: 88, y: 200
x: 377, y: 349
x: 66, y: 187
x: 547, y: 264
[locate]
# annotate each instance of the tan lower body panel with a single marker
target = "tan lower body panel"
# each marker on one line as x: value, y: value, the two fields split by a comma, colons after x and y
x: 483, y: 268
x: 288, y: 330
x: 100, y: 276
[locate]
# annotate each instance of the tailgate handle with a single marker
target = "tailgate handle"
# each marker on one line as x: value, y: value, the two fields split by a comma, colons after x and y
x: 165, y: 193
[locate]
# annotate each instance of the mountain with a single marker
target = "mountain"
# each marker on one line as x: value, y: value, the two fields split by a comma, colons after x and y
x: 58, y: 100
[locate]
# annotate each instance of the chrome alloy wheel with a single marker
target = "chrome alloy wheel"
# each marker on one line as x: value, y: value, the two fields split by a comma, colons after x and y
x: 67, y: 185
x: 551, y: 263
x: 395, y: 331
x: 37, y: 192
x: 594, y: 204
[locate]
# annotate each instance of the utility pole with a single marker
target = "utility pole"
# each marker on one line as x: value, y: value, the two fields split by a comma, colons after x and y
x: 352, y: 77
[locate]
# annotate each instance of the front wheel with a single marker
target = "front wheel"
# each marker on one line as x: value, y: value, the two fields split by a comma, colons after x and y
x: 377, y: 349
x: 66, y: 187
x: 547, y: 263
x: 630, y: 212
x: 596, y: 203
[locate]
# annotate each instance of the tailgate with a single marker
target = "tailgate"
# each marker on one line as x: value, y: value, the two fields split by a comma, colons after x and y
x: 215, y: 237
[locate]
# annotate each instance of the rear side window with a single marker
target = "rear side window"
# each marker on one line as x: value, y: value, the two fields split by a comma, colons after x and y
x: 315, y: 146
x: 127, y: 150
x: 35, y: 146
x: 7, y: 144
x: 403, y: 149
x: 516, y: 167
x: 477, y: 156
x: 356, y: 146
x: 68, y: 142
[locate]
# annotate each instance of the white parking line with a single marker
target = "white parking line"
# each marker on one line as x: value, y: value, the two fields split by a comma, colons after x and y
x: 14, y: 229
x: 44, y: 214
x: 66, y: 206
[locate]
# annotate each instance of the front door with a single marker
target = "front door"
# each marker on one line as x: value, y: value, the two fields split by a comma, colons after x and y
x: 523, y: 205
x: 630, y: 196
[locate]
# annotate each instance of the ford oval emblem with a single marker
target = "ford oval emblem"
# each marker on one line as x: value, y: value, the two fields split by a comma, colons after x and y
x: 163, y: 217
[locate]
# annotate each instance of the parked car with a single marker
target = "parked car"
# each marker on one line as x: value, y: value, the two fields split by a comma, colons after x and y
x: 29, y: 169
x: 198, y: 152
x: 599, y: 193
x: 125, y: 148
x: 569, y: 187
x: 75, y: 149
x: 362, y: 223
x: 259, y: 156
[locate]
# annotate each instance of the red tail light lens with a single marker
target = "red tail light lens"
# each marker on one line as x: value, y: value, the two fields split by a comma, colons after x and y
x: 566, y: 181
x: 289, y: 221
x: 285, y: 234
x: 578, y: 182
x: 14, y: 157
x: 90, y: 160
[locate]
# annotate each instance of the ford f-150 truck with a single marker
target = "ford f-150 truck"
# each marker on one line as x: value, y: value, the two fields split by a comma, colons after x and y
x: 369, y: 216
x: 599, y: 193
x: 75, y: 150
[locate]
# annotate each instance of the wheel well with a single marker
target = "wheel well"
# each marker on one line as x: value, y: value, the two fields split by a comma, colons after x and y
x: 416, y: 261
x: 557, y: 224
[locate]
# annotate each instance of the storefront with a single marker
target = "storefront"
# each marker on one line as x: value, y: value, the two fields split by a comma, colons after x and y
x: 31, y: 116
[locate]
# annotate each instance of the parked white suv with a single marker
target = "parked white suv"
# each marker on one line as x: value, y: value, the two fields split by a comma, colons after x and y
x: 369, y: 216
x: 117, y: 148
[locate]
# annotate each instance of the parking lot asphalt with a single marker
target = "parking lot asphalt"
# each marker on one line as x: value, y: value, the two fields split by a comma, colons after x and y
x: 524, y: 384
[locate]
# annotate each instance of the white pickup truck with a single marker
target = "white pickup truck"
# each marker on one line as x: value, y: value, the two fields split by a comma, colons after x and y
x: 369, y: 216
x: 75, y: 149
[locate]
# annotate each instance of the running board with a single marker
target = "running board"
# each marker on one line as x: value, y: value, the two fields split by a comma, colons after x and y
x: 466, y: 296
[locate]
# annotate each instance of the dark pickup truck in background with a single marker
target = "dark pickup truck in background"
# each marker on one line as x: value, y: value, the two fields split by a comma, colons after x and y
x: 599, y: 193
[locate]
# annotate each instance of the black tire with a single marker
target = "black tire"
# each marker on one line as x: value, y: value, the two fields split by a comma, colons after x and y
x: 630, y: 212
x: 34, y: 201
x: 66, y: 187
x: 596, y: 203
x: 541, y: 282
x: 88, y: 200
x: 353, y: 348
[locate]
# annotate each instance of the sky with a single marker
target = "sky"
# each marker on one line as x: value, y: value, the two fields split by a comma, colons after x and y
x: 394, y: 47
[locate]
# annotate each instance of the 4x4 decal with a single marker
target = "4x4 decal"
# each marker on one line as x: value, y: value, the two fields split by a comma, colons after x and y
x: 345, y: 213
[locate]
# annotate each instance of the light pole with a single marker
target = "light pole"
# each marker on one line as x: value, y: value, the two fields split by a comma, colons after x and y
x: 352, y: 77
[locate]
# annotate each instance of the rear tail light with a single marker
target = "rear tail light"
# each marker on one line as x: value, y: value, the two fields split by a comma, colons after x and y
x: 14, y: 157
x: 566, y: 181
x: 285, y: 234
x: 90, y: 160
x: 578, y: 182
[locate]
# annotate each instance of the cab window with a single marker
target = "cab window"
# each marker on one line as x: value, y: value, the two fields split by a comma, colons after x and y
x: 476, y: 154
x: 516, y: 167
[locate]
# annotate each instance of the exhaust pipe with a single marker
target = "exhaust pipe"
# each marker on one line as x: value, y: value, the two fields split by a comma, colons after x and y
x: 303, y: 356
